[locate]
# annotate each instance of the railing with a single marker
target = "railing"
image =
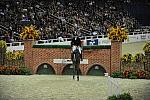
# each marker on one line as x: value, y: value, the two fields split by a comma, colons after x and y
x: 102, y: 40
x: 15, y: 46
x: 113, y: 86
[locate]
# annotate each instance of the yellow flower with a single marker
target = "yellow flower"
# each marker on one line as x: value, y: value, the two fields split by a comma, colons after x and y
x: 117, y: 33
x: 30, y: 33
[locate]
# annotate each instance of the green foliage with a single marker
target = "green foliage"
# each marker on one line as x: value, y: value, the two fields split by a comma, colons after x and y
x: 147, y: 47
x: 148, y: 75
x: 3, y: 44
x: 17, y: 55
x: 25, y: 71
x: 68, y: 46
x: 112, y: 98
x: 127, y: 58
x: 124, y: 96
x: 139, y: 57
x: 117, y: 74
x: 133, y: 75
x: 8, y: 70
x: 14, y: 70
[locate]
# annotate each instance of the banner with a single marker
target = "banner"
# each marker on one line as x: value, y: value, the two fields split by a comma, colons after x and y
x: 92, y: 42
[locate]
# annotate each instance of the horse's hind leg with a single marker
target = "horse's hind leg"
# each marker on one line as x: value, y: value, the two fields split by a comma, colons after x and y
x: 73, y: 72
x: 77, y: 74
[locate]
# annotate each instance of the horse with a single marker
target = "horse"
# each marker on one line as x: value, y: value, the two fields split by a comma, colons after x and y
x: 76, y: 62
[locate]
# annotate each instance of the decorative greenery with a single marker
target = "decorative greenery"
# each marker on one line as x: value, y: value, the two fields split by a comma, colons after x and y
x: 3, y: 44
x: 30, y: 33
x: 132, y: 74
x: 25, y: 71
x: 139, y: 57
x: 124, y: 96
x: 17, y: 55
x: 117, y: 34
x: 147, y: 75
x: 68, y: 47
x: 147, y: 47
x: 9, y: 70
x: 136, y: 62
x: 117, y: 74
x: 126, y: 73
x: 141, y: 74
x: 13, y: 70
x: 127, y: 58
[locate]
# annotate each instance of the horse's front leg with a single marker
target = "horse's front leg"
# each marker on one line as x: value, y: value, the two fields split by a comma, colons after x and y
x: 77, y: 69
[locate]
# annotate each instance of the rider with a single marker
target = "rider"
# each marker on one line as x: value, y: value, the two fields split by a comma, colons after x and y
x: 76, y: 44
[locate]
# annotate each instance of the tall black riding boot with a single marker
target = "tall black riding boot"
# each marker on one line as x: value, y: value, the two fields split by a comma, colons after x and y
x: 81, y: 56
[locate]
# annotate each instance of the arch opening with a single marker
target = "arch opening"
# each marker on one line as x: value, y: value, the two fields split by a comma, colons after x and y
x: 68, y: 70
x: 45, y: 69
x: 96, y: 70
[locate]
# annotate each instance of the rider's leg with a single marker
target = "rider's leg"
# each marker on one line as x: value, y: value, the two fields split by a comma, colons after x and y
x: 73, y: 48
x: 80, y: 50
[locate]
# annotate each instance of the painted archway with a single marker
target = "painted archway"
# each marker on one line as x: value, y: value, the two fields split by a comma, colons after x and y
x: 96, y: 70
x: 68, y: 70
x: 45, y: 69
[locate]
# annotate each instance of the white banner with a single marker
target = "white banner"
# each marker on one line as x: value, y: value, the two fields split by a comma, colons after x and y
x: 68, y: 61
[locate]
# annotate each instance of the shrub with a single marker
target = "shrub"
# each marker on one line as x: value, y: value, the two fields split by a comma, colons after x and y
x: 25, y: 71
x: 124, y: 96
x: 117, y: 74
x: 141, y: 74
x: 13, y: 70
x: 126, y: 73
x: 147, y: 47
x: 8, y: 70
x: 147, y: 75
x: 133, y: 75
x: 3, y: 44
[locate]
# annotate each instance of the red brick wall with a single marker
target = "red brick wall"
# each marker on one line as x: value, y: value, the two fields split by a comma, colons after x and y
x: 109, y: 59
x: 28, y: 53
x: 116, y: 49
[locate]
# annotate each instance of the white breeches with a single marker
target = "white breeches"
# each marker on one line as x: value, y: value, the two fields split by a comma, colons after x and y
x: 76, y: 47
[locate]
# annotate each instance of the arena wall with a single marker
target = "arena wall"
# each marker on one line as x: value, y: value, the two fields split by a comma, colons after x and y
x: 107, y: 56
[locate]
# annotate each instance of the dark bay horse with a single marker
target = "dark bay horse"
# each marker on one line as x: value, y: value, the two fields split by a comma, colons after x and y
x: 76, y: 62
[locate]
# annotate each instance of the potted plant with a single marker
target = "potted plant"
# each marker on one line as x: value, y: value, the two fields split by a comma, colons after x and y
x: 147, y: 48
x: 117, y: 33
x: 30, y: 32
x: 147, y: 56
x: 3, y: 48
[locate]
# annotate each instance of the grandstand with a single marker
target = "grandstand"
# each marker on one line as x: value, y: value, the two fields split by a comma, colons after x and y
x: 64, y: 18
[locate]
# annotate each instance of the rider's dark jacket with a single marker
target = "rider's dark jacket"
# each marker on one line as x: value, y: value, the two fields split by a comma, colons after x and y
x: 76, y: 41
